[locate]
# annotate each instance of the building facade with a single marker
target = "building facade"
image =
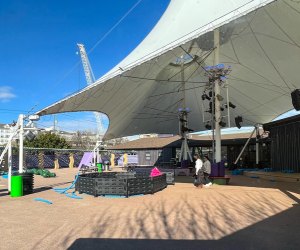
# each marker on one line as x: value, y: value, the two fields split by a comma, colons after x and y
x: 165, y: 151
x: 285, y: 143
x: 5, y: 133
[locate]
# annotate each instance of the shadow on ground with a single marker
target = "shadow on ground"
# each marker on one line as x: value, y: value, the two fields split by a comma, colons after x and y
x: 280, y: 231
x: 4, y: 192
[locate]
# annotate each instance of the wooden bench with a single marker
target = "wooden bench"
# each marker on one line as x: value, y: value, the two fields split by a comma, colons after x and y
x: 220, y: 180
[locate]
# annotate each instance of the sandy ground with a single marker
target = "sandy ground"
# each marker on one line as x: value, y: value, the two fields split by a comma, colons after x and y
x: 248, y: 214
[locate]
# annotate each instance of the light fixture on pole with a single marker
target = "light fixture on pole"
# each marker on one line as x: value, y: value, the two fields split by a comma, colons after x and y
x: 238, y: 120
x: 220, y: 98
x: 231, y: 105
x: 183, y: 131
x: 208, y: 126
x: 216, y: 77
x: 222, y: 124
x: 205, y: 97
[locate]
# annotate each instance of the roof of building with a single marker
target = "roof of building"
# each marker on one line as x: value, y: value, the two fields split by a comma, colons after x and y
x: 143, y: 143
x: 174, y: 141
x: 6, y: 126
x: 285, y: 121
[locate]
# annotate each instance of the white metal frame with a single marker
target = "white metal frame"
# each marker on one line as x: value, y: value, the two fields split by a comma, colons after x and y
x: 19, y: 129
x: 90, y: 79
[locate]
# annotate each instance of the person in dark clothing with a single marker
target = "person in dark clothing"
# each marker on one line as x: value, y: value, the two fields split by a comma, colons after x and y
x: 199, y: 175
x: 206, y: 171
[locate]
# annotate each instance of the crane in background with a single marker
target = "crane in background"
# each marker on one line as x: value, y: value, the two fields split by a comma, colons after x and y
x: 90, y: 79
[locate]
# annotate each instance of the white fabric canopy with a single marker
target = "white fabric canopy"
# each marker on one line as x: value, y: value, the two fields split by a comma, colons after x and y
x: 142, y: 94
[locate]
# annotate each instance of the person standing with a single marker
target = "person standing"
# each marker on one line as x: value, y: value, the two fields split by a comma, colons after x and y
x: 199, y: 176
x: 206, y: 171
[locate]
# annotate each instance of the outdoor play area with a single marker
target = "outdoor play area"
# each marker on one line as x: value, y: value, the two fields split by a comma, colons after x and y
x: 248, y: 211
x: 200, y: 148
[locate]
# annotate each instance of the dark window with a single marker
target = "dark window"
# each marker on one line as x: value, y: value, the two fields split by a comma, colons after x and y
x: 147, y: 156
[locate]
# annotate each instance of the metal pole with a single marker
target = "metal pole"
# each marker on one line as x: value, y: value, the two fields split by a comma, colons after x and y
x: 184, y: 136
x: 94, y: 158
x: 188, y: 152
x: 21, y: 132
x: 228, y: 109
x: 54, y: 123
x: 237, y: 159
x: 9, y: 163
x: 217, y: 102
x: 184, y: 116
x: 213, y: 122
x: 184, y: 147
x: 98, y: 155
x: 257, y: 145
x: 203, y: 118
x: 181, y: 151
x: 182, y: 85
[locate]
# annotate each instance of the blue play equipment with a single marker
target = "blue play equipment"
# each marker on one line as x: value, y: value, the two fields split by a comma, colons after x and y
x: 86, y: 160
x: 43, y: 200
x: 73, y: 195
x: 237, y: 172
x: 113, y: 196
x: 65, y: 190
x: 268, y: 170
x: 288, y: 171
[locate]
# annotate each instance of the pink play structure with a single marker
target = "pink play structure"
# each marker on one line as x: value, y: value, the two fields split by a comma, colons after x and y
x: 155, y: 172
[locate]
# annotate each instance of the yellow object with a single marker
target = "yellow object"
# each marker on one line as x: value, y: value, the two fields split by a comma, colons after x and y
x: 112, y: 160
x: 56, y: 164
x: 41, y: 160
x: 71, y: 160
x: 125, y: 159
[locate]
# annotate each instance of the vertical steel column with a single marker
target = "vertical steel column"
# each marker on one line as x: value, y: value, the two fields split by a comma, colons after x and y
x: 21, y: 148
x: 237, y: 159
x: 217, y: 102
x: 257, y: 145
x: 228, y: 109
x: 9, y: 163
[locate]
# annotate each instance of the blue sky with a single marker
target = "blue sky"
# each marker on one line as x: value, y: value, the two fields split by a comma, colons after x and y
x: 38, y: 61
x: 38, y: 50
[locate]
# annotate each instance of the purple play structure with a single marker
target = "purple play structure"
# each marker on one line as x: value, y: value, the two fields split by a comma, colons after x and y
x: 86, y: 160
x: 218, y: 169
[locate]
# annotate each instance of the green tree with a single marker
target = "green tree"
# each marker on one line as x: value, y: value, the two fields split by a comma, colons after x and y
x: 47, y: 140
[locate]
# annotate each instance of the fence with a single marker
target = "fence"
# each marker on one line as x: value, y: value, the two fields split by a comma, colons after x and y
x: 45, y: 158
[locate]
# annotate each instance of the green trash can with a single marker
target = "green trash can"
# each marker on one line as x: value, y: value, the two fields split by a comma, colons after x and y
x: 16, y: 186
x: 99, y: 165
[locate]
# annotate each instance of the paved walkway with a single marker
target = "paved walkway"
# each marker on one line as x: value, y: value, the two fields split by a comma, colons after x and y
x: 248, y: 214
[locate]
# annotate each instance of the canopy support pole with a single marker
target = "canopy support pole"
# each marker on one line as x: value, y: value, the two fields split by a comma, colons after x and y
x: 217, y: 110
x: 237, y: 159
x: 96, y: 153
x: 213, y: 118
x: 257, y: 145
x: 183, y: 121
x: 227, y: 101
x: 9, y: 163
x: 184, y: 151
x: 21, y: 149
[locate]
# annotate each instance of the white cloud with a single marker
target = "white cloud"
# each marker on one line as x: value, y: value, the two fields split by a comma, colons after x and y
x: 6, y: 94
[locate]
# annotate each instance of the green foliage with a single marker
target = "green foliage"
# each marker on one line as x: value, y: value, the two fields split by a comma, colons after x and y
x: 47, y: 140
